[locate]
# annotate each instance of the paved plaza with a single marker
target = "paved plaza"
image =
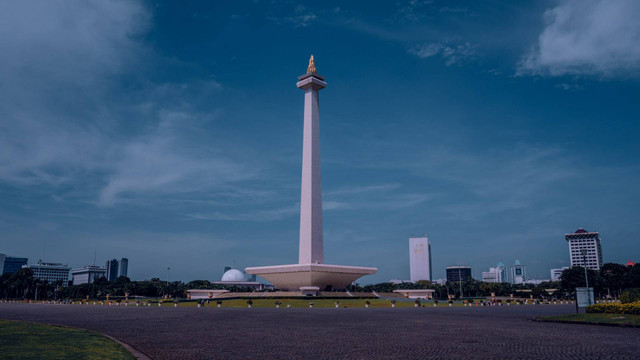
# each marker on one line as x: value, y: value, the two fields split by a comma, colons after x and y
x: 401, y: 333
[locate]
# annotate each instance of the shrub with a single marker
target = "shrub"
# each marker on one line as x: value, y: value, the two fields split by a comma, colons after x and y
x: 631, y: 308
x: 630, y: 296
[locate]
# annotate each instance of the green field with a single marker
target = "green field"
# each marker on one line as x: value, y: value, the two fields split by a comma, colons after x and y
x: 271, y: 303
x: 21, y: 340
x: 317, y: 303
x: 600, y: 319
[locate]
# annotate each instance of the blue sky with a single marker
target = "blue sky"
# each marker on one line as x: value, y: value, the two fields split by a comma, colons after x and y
x: 171, y: 132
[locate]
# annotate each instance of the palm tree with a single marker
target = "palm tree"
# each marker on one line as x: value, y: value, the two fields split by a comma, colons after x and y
x: 23, y: 281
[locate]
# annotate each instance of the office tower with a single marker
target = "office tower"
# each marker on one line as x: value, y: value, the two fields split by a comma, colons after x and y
x: 123, y: 267
x: 556, y: 273
x: 50, y: 272
x: 87, y: 274
x: 420, y: 258
x: 458, y: 273
x: 590, y: 243
x: 112, y: 269
x: 497, y: 274
x: 10, y: 264
x: 518, y: 273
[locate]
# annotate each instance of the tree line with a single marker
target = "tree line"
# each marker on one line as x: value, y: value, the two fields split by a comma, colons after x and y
x: 610, y: 281
x: 22, y: 285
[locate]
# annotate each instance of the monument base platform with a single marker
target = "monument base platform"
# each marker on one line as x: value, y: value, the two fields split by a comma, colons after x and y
x: 325, y: 277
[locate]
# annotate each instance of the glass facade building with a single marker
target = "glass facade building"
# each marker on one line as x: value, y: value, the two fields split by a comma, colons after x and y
x: 10, y: 264
x: 458, y: 273
x: 112, y: 269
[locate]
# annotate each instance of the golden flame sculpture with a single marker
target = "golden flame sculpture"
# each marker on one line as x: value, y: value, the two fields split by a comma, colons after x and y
x: 311, y: 69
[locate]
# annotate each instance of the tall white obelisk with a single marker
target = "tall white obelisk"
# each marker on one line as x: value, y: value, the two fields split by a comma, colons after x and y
x: 311, y: 274
x: 311, y: 247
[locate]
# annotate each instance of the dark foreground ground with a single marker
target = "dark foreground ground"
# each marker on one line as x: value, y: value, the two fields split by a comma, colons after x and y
x: 401, y: 333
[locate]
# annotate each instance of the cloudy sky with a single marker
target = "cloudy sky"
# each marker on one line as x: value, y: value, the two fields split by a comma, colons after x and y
x: 171, y: 132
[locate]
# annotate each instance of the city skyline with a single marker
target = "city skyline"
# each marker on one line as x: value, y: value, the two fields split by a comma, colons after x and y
x: 179, y: 146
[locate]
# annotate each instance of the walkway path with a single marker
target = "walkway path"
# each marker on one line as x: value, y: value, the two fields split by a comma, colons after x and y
x: 411, y: 333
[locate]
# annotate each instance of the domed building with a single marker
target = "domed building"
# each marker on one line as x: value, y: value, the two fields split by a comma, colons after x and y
x: 230, y: 277
x: 235, y: 277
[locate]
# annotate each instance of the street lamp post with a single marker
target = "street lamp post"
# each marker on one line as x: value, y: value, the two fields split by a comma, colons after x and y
x: 586, y: 276
x: 167, y: 291
x: 460, y: 281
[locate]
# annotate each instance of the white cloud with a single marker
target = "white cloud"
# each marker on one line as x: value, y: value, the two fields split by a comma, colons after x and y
x: 258, y: 215
x: 426, y: 50
x: 57, y: 60
x: 362, y: 189
x: 595, y: 37
x: 478, y: 183
x: 409, y: 13
x: 568, y: 87
x: 301, y: 17
x: 70, y: 42
x: 64, y: 123
x: 162, y: 162
x: 302, y: 20
x: 448, y: 9
x: 502, y: 179
x: 451, y: 54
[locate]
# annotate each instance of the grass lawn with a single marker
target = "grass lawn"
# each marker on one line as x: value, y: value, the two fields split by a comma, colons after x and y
x: 606, y: 319
x: 292, y: 302
x: 317, y: 303
x: 21, y: 340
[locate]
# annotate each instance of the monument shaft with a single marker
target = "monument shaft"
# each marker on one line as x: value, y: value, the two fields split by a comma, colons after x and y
x: 311, y: 243
x: 311, y: 274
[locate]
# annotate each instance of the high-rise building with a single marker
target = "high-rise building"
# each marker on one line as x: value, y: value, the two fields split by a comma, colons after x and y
x: 112, y: 269
x: 10, y: 264
x: 497, y: 274
x: 87, y: 274
x: 420, y: 258
x: 50, y: 272
x: 123, y: 267
x: 518, y: 273
x: 589, y: 242
x: 458, y: 273
x: 555, y: 273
